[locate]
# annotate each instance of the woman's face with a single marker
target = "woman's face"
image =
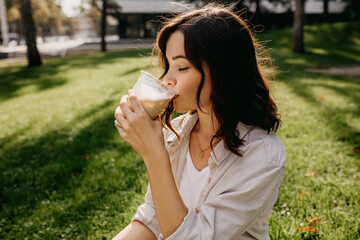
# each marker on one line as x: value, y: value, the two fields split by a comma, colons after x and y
x: 183, y: 78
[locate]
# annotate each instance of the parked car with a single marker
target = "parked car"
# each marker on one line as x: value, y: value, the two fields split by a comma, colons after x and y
x: 14, y: 39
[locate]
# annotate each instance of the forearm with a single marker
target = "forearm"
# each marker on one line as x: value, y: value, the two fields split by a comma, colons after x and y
x: 169, y: 206
x: 135, y: 230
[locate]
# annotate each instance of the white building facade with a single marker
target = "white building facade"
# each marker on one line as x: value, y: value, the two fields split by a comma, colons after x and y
x: 140, y: 18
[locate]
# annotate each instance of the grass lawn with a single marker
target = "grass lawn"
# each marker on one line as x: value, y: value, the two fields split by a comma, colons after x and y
x: 66, y: 174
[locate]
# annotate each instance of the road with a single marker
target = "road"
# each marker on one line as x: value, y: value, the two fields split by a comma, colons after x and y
x: 70, y: 48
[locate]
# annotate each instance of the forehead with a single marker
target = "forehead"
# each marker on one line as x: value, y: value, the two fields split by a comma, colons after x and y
x: 175, y: 45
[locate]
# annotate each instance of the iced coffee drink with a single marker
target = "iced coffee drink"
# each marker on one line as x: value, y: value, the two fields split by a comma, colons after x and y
x: 153, y: 94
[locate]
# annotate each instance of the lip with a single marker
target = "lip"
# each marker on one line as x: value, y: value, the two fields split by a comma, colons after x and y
x: 175, y: 97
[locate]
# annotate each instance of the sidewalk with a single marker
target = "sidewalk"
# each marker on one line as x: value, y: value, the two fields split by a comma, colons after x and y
x: 71, y: 48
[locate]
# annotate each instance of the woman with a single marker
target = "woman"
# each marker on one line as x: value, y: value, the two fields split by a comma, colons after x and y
x: 214, y: 173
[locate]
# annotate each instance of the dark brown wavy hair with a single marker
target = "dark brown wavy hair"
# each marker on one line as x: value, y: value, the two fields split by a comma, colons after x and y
x: 240, y: 92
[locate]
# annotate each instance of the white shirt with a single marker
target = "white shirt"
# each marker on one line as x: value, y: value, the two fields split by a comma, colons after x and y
x: 241, y: 191
x: 192, y: 182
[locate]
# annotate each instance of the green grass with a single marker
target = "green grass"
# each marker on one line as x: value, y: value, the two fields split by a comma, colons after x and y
x: 66, y: 174
x: 321, y: 127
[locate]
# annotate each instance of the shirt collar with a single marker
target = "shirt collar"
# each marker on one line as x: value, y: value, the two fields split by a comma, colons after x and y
x: 221, y: 152
x: 183, y: 126
x: 186, y: 123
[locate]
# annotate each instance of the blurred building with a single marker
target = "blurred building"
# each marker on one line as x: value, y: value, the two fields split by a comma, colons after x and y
x: 83, y: 27
x: 311, y: 6
x: 140, y: 18
x: 317, y: 6
x: 280, y: 14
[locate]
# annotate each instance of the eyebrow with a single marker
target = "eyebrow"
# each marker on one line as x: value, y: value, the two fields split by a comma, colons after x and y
x: 179, y: 56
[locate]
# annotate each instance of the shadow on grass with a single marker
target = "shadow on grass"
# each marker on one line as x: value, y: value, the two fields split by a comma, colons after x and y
x: 133, y: 70
x: 325, y: 44
x: 324, y: 33
x: 314, y: 56
x: 331, y: 115
x: 33, y: 170
x: 13, y: 79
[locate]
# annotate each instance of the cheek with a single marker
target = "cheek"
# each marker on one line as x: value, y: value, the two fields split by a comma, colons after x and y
x: 205, y: 95
x: 195, y: 83
x: 190, y: 86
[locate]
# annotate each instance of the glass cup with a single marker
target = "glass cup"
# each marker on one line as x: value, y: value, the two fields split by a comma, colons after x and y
x: 153, y: 94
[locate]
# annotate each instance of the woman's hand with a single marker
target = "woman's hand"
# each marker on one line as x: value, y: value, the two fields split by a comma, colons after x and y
x: 145, y: 136
x: 136, y: 128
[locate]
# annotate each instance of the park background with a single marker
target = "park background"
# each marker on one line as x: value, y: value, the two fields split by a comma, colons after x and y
x: 66, y: 174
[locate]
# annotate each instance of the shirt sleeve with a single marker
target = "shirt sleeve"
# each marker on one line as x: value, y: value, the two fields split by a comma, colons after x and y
x: 146, y: 212
x: 147, y: 215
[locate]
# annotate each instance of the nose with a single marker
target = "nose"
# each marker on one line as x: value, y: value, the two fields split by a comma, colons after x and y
x: 169, y: 79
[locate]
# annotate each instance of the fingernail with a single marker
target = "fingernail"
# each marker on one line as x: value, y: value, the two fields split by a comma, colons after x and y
x: 131, y: 92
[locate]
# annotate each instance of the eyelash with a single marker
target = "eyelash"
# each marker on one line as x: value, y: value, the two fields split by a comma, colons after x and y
x: 183, y: 69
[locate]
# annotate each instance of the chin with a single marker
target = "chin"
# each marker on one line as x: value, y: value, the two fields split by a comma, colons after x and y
x: 184, y: 106
x: 178, y: 108
x: 182, y: 109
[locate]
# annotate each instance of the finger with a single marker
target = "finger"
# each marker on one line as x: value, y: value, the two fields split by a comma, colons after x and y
x: 117, y: 111
x: 117, y: 123
x: 120, y: 130
x: 134, y: 101
x: 120, y: 118
x: 129, y: 104
x: 124, y: 106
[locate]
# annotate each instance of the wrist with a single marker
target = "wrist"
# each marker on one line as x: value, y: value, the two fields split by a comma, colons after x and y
x: 155, y: 143
x: 156, y: 157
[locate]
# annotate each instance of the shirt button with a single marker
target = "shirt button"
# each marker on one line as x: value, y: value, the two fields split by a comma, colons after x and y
x: 196, y: 210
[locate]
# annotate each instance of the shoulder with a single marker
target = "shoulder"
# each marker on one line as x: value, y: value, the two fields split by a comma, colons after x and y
x: 275, y: 150
x: 269, y: 150
x: 262, y: 162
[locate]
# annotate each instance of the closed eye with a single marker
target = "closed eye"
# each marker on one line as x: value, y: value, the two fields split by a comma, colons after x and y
x: 183, y: 69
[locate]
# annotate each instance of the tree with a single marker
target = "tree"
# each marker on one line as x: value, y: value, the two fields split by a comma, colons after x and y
x: 103, y: 26
x: 298, y: 28
x: 326, y: 10
x: 257, y: 12
x: 33, y: 55
x: 355, y: 9
x: 47, y: 15
x: 106, y: 7
x: 4, y: 24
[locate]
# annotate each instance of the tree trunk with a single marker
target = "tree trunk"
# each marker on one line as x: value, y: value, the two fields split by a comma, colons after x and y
x: 33, y: 55
x: 257, y: 12
x: 103, y: 26
x: 4, y: 24
x: 122, y: 26
x: 298, y: 31
x: 326, y: 11
x: 355, y: 9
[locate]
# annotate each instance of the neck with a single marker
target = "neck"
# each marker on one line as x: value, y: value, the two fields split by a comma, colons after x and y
x: 207, y: 125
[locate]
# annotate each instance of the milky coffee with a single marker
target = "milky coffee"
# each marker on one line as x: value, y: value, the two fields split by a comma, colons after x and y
x: 153, y: 94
